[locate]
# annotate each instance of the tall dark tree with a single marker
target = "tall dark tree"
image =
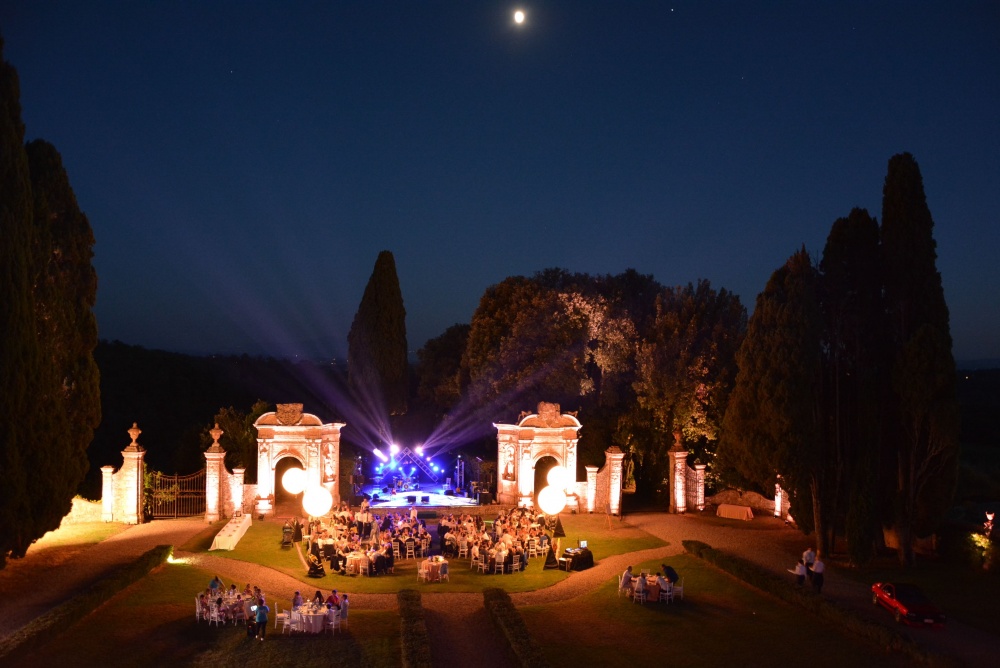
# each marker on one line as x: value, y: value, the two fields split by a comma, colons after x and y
x: 65, y: 294
x: 856, y: 375
x: 19, y: 352
x: 377, y: 352
x: 922, y: 434
x: 773, y: 423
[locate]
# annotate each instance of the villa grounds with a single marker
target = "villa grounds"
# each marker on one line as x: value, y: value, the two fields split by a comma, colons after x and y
x: 575, y: 618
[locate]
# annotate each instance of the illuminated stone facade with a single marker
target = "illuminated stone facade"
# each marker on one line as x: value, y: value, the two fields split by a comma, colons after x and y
x: 288, y: 432
x: 547, y: 433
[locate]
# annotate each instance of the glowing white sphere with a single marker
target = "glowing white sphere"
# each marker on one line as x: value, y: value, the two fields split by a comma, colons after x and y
x: 317, y: 501
x: 552, y: 500
x: 294, y: 480
x: 519, y: 16
x: 558, y: 477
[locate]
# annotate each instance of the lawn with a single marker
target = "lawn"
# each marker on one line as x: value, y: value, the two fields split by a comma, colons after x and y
x: 152, y: 623
x: 720, y: 622
x: 262, y: 545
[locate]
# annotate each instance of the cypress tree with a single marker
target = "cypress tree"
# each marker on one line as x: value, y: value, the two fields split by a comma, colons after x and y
x: 19, y: 352
x: 377, y: 352
x: 65, y: 293
x: 921, y: 463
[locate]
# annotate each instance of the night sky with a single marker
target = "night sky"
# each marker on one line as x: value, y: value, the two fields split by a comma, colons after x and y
x: 243, y: 163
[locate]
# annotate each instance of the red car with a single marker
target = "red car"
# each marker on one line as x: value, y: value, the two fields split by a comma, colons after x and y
x: 907, y: 604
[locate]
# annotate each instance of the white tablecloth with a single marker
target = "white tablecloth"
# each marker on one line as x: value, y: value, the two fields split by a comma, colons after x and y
x: 231, y: 533
x: 311, y: 622
x: 354, y: 561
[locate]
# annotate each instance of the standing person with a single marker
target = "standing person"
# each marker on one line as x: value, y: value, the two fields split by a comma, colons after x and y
x: 261, y: 618
x: 800, y: 573
x: 808, y: 558
x: 670, y: 574
x: 818, y: 569
x: 344, y: 606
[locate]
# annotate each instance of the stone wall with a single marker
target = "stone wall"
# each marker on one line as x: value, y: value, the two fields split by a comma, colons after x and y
x: 734, y: 496
x: 83, y: 511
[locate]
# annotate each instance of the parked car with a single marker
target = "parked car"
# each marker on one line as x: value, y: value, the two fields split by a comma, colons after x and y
x: 907, y: 603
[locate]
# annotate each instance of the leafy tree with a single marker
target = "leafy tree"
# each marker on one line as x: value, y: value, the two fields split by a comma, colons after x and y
x: 377, y: 364
x: 440, y: 369
x: 19, y: 353
x: 687, y: 365
x: 239, y: 438
x: 922, y: 435
x: 773, y: 423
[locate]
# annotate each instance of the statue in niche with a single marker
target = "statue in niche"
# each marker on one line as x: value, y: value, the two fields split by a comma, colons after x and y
x: 329, y: 463
x: 508, y: 463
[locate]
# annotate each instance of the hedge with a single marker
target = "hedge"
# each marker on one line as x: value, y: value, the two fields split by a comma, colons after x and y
x: 44, y: 626
x: 826, y: 609
x: 414, y: 641
x: 509, y: 622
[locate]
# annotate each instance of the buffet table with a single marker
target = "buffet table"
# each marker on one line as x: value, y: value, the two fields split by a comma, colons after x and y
x: 577, y: 559
x: 734, y: 512
x: 230, y: 534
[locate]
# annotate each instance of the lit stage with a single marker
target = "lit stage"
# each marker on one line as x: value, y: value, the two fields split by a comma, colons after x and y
x: 415, y: 497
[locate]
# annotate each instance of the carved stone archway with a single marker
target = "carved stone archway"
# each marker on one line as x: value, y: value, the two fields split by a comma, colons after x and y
x: 547, y: 433
x: 288, y: 432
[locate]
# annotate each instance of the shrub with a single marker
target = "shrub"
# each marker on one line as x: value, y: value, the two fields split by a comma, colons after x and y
x: 414, y: 641
x: 509, y: 622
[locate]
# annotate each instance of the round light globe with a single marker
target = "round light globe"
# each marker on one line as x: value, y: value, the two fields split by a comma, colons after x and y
x: 551, y: 500
x: 317, y: 501
x: 519, y: 17
x: 558, y: 477
x: 294, y: 480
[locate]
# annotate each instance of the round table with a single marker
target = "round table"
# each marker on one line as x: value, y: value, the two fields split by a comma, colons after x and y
x: 310, y: 621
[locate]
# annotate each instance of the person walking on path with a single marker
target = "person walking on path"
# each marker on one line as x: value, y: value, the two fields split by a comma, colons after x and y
x: 817, y: 575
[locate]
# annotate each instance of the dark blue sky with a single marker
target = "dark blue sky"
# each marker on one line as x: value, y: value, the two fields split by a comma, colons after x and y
x: 243, y: 163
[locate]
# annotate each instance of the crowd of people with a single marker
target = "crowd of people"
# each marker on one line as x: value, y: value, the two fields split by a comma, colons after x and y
x: 810, y: 567
x: 219, y: 604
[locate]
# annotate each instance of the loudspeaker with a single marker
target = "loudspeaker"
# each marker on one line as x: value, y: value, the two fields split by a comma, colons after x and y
x: 485, y: 498
x: 425, y: 499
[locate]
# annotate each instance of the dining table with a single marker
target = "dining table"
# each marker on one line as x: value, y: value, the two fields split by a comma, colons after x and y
x: 309, y: 619
x: 432, y: 567
x: 230, y: 535
x: 355, y: 561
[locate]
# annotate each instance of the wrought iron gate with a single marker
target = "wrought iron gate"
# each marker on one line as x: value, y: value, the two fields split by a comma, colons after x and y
x: 178, y: 495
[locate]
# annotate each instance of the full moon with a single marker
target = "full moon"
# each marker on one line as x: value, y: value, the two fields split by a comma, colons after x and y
x: 519, y: 16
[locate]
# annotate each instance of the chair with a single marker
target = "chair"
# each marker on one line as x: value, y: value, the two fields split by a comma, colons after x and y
x: 425, y: 547
x: 677, y: 589
x: 365, y: 567
x: 295, y: 621
x: 639, y: 596
x: 444, y: 573
x: 666, y: 594
x: 240, y: 614
x: 215, y: 615
x: 198, y: 614
x: 285, y: 619
x: 622, y: 588
x: 481, y: 564
x: 410, y: 553
x: 395, y: 550
x: 463, y: 548
x: 423, y: 573
x: 333, y: 622
x: 498, y: 567
x: 532, y: 548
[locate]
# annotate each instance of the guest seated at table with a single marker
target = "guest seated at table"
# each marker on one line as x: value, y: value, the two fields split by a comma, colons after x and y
x: 247, y: 591
x: 332, y: 612
x: 232, y: 591
x: 318, y: 598
x: 297, y: 600
x: 662, y: 582
x: 333, y: 599
x: 640, y: 585
x: 216, y: 584
x: 627, y: 578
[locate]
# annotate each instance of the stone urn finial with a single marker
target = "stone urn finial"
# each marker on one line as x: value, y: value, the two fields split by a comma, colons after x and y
x: 216, y: 434
x: 134, y: 433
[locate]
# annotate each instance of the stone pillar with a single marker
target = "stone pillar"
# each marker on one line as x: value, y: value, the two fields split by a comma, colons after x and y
x: 678, y: 500
x: 236, y: 487
x: 700, y: 494
x: 107, y: 494
x: 214, y: 457
x: 525, y: 475
x: 591, y: 487
x: 778, y: 498
x: 265, y: 476
x: 132, y: 480
x: 613, y: 457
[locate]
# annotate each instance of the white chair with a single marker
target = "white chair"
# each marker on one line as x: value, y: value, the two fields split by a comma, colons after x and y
x: 423, y: 573
x: 677, y: 589
x: 498, y: 567
x: 285, y: 619
x: 622, y: 587
x: 215, y: 615
x: 532, y: 548
x: 481, y: 565
x: 463, y: 548
x: 666, y: 594
x: 639, y: 596
x: 333, y: 621
x: 410, y: 553
x: 425, y: 547
x: 295, y: 623
x: 198, y: 614
x: 395, y: 550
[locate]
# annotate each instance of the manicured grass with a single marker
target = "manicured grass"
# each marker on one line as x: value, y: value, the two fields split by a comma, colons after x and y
x: 152, y: 623
x: 85, y: 533
x: 720, y: 622
x: 262, y: 545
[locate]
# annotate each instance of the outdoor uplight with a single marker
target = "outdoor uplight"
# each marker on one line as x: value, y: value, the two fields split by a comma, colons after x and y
x: 294, y: 480
x: 317, y: 501
x: 558, y: 477
x: 552, y: 500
